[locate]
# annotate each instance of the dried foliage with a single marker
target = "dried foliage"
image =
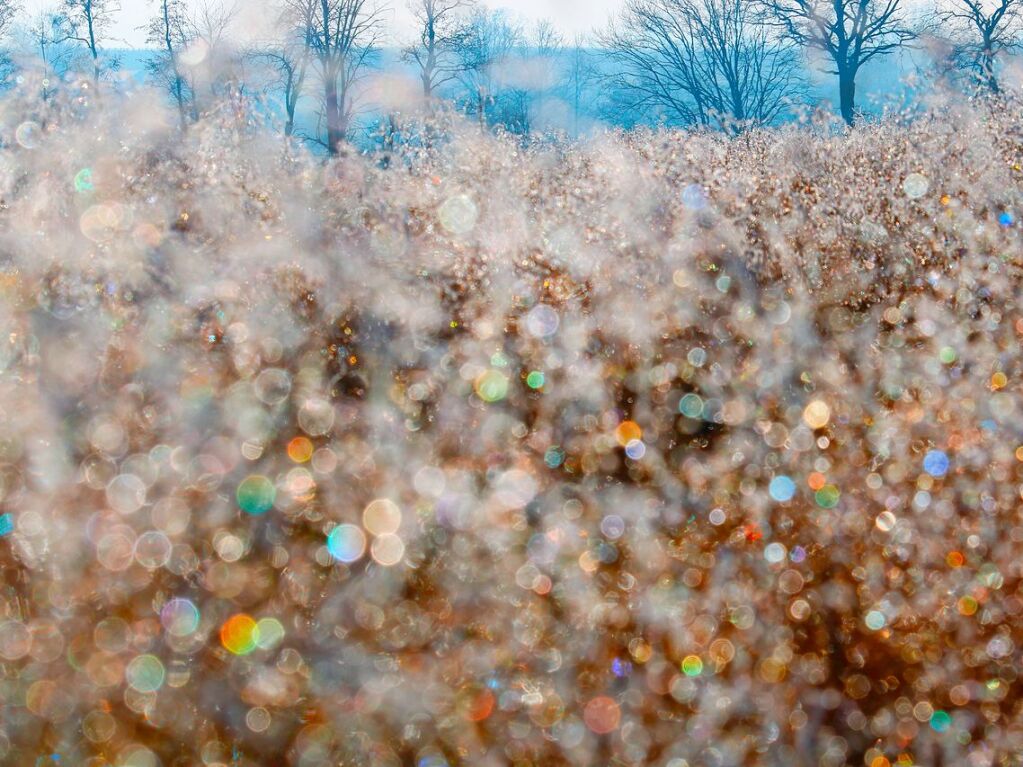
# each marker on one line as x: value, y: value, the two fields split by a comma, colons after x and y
x: 668, y: 448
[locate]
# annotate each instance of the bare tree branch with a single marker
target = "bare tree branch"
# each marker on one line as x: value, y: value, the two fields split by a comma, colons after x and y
x: 701, y: 62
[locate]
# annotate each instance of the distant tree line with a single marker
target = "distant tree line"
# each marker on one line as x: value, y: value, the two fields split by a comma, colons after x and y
x: 725, y: 64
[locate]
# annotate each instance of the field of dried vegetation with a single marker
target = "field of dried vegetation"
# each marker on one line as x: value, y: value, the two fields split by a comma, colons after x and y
x: 661, y: 448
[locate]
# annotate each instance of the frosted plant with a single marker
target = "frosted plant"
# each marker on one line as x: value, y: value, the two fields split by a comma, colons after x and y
x: 666, y: 448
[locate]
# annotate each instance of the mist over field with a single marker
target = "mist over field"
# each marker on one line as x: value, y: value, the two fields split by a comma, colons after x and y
x: 333, y: 434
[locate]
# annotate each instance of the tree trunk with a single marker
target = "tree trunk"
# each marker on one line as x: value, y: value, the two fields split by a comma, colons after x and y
x: 194, y: 106
x: 93, y: 49
x: 180, y: 98
x: 178, y: 85
x: 847, y: 96
x: 429, y: 69
x: 738, y: 107
x: 987, y: 64
x: 335, y: 131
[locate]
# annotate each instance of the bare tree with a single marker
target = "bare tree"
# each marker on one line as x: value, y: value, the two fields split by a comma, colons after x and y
x: 213, y: 67
x: 580, y: 74
x: 546, y: 48
x: 288, y: 63
x: 849, y: 32
x: 86, y: 22
x: 981, y: 30
x: 8, y: 12
x: 343, y: 36
x: 702, y: 62
x: 491, y: 41
x: 44, y: 36
x: 442, y: 32
x: 168, y: 33
x: 525, y: 76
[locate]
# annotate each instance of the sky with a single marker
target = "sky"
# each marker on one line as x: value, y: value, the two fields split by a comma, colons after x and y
x: 570, y: 16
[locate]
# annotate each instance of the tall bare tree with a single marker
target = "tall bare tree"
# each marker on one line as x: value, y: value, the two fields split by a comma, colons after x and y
x: 8, y: 12
x: 442, y: 30
x: 169, y: 34
x: 849, y: 32
x: 485, y: 52
x: 981, y: 31
x: 87, y: 23
x: 288, y: 58
x: 209, y: 27
x: 581, y: 73
x: 288, y: 63
x: 701, y: 62
x: 343, y: 36
x: 44, y: 35
x: 545, y: 51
